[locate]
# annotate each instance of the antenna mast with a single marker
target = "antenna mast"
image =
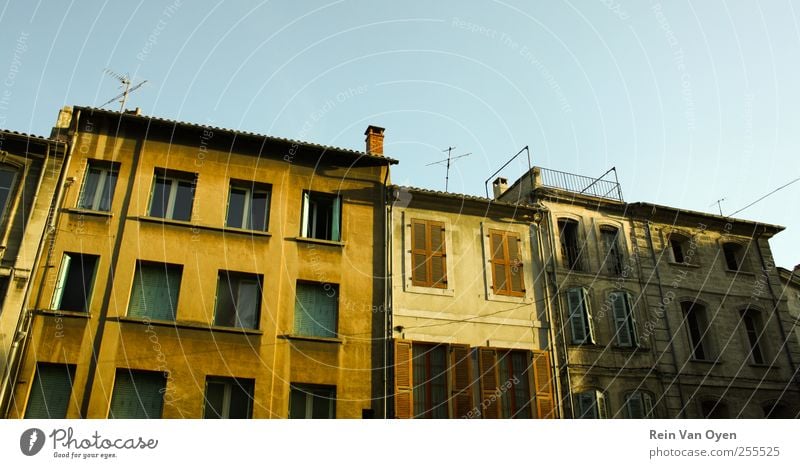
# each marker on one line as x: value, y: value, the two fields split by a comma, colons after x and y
x: 126, y: 83
x: 449, y: 158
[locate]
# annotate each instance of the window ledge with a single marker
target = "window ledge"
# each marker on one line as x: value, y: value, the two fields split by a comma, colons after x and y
x: 311, y: 240
x: 739, y: 272
x: 764, y: 366
x: 84, y: 211
x: 712, y: 362
x: 62, y: 313
x: 319, y: 339
x: 239, y: 231
x: 172, y: 222
x: 188, y: 325
x: 684, y: 264
x: 411, y: 288
x: 193, y: 226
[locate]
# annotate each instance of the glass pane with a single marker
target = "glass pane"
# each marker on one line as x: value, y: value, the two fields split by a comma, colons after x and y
x: 322, y: 405
x: 236, y: 208
x: 215, y: 399
x: 258, y: 211
x: 247, y: 304
x: 108, y: 191
x: 78, y: 284
x: 184, y: 196
x: 90, y: 188
x: 225, y: 314
x: 158, y: 205
x: 241, y: 399
x: 297, y: 404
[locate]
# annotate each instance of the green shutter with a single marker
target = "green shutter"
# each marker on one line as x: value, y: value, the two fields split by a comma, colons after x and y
x: 336, y: 219
x: 619, y: 304
x: 52, y: 388
x: 635, y: 406
x: 155, y: 291
x: 137, y: 395
x: 316, y: 309
x: 62, y: 278
x: 577, y: 321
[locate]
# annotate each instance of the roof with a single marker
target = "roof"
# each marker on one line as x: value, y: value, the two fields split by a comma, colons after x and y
x: 238, y: 133
x: 464, y: 197
x: 29, y: 136
x: 723, y: 219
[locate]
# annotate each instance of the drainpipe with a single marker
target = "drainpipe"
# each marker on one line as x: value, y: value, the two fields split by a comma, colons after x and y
x: 666, y: 315
x: 24, y: 324
x: 774, y: 298
x: 387, y: 290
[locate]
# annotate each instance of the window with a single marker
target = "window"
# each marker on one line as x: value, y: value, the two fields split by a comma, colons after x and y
x: 137, y: 395
x: 248, y: 206
x: 755, y: 329
x: 321, y: 216
x: 155, y: 290
x: 613, y: 256
x: 734, y: 255
x: 624, y: 322
x: 678, y: 248
x: 430, y: 381
x: 570, y: 247
x: 229, y: 398
x: 590, y: 404
x: 7, y: 178
x: 428, y: 254
x: 238, y: 300
x: 580, y: 317
x: 778, y: 410
x: 312, y: 402
x: 316, y: 309
x: 75, y: 279
x: 51, y: 390
x: 173, y: 195
x: 698, y: 327
x: 639, y: 405
x: 513, y: 371
x: 714, y: 409
x: 506, y: 261
x: 97, y: 192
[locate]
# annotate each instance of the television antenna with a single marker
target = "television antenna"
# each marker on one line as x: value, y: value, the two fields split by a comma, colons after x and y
x: 447, y: 160
x: 719, y: 204
x: 126, y: 83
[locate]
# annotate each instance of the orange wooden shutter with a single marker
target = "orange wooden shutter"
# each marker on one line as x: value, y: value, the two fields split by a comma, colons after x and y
x: 499, y: 259
x: 403, y: 386
x: 419, y: 253
x: 461, y: 376
x: 517, y: 284
x: 438, y: 269
x: 490, y: 400
x: 543, y: 385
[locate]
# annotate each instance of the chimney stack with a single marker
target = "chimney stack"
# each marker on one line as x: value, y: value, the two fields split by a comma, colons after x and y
x: 374, y: 140
x: 500, y: 185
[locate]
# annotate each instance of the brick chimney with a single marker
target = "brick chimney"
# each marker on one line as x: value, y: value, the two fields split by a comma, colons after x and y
x: 374, y: 140
x: 499, y: 185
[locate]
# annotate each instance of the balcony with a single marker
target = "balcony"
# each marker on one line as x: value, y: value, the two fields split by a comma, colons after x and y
x: 606, y: 186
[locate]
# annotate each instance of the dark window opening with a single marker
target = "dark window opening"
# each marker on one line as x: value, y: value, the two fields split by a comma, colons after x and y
x: 312, y: 402
x: 714, y: 409
x: 570, y: 246
x: 754, y: 329
x: 321, y: 216
x: 238, y: 300
x: 677, y: 244
x: 613, y: 255
x: 173, y: 195
x: 74, y: 286
x: 430, y: 381
x: 733, y: 256
x: 697, y: 323
x: 248, y: 206
x: 229, y: 398
x: 99, y: 183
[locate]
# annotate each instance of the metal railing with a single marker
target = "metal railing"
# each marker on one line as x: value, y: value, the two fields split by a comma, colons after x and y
x: 601, y: 187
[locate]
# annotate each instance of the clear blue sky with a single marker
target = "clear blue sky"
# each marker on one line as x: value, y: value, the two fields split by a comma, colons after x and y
x: 692, y: 102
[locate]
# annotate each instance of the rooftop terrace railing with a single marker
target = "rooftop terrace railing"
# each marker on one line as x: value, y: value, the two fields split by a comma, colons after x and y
x: 601, y: 187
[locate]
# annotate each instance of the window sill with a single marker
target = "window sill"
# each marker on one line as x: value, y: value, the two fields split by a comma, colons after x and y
x: 194, y: 226
x: 712, y: 362
x: 687, y: 265
x: 188, y: 325
x: 318, y: 339
x: 764, y: 366
x: 171, y: 222
x: 739, y: 272
x: 62, y: 313
x: 524, y: 299
x: 239, y: 231
x: 87, y: 212
x: 311, y: 240
x: 411, y: 288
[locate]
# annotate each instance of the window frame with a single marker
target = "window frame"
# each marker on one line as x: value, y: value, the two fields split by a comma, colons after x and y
x: 64, y: 271
x: 107, y: 170
x: 337, y: 212
x: 754, y: 338
x: 737, y: 256
x: 175, y: 177
x: 250, y: 189
x: 240, y: 277
x: 598, y: 406
x: 646, y: 402
x: 576, y: 263
x: 429, y: 253
x: 613, y: 261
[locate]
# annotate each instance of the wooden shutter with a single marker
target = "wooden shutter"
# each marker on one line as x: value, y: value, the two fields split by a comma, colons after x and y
x: 543, y: 385
x: 499, y: 261
x: 631, y: 320
x: 461, y: 376
x: 515, y: 270
x: 577, y: 321
x: 137, y: 395
x: 419, y: 254
x: 403, y: 385
x: 490, y: 402
x: 436, y: 250
x: 50, y: 391
x: 621, y: 323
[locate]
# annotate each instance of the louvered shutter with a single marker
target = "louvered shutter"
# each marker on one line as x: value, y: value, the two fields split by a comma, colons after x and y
x: 137, y: 395
x: 490, y: 402
x: 647, y: 404
x: 587, y: 311
x: 632, y: 320
x: 327, y: 308
x: 50, y: 392
x: 635, y: 406
x: 515, y: 269
x: 460, y: 375
x: 419, y: 254
x: 543, y: 385
x: 499, y: 260
x: 304, y: 306
x: 620, y: 311
x: 336, y: 219
x: 155, y: 291
x: 62, y: 278
x: 602, y: 409
x: 576, y: 318
x: 403, y: 396
x: 437, y: 253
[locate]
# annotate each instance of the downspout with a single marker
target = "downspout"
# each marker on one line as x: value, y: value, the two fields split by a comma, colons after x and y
x: 557, y: 302
x: 666, y: 315
x: 784, y: 336
x: 387, y: 290
x: 25, y: 322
